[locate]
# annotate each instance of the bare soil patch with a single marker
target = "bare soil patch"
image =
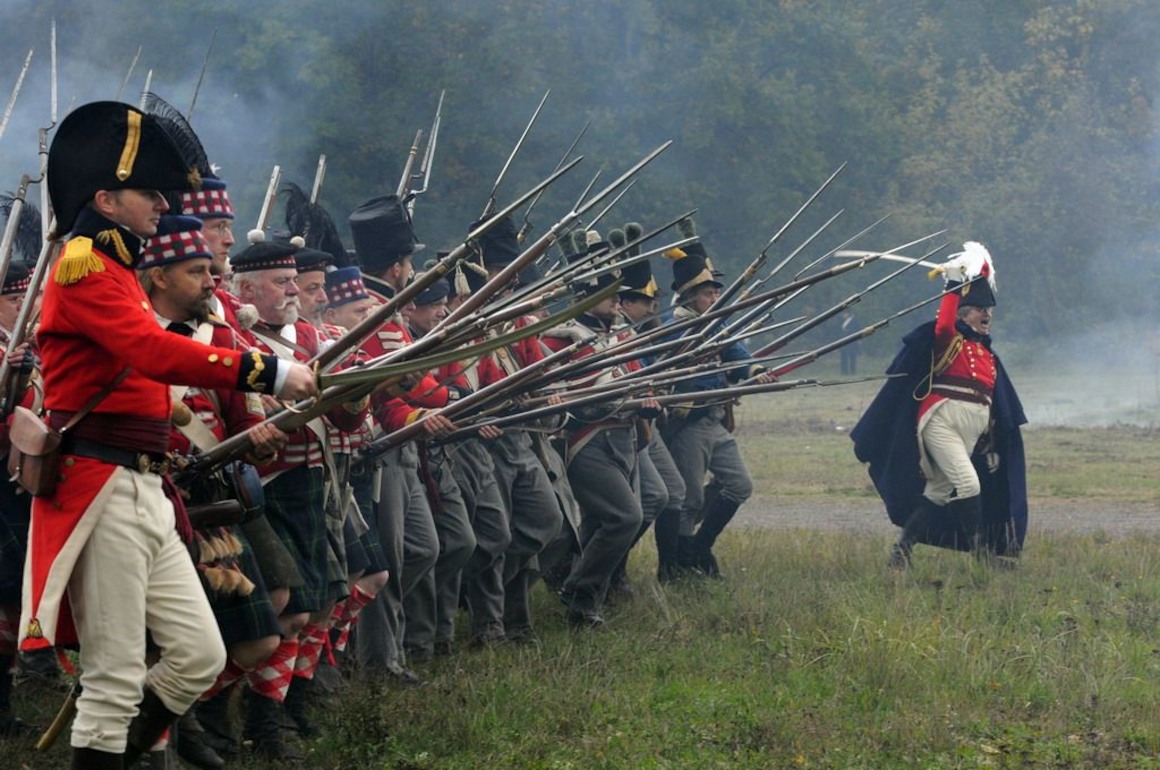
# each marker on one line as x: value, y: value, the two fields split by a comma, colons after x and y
x: 867, y: 515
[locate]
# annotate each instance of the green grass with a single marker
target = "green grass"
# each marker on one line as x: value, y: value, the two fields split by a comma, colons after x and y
x: 813, y: 654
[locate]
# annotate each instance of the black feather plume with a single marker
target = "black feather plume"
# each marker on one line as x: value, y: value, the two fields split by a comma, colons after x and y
x: 26, y: 244
x: 314, y: 224
x: 174, y: 123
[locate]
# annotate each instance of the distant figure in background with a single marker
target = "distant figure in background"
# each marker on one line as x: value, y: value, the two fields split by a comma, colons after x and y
x: 849, y: 353
x: 943, y: 441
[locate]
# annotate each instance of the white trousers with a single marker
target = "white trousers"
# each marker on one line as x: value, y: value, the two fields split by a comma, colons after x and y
x: 946, y: 436
x: 134, y: 574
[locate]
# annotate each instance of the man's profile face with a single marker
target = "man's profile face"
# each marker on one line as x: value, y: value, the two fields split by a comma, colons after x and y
x: 219, y: 234
x: 138, y: 211
x: 636, y: 308
x: 188, y: 285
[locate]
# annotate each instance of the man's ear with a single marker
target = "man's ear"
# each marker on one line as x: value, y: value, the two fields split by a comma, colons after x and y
x: 104, y: 202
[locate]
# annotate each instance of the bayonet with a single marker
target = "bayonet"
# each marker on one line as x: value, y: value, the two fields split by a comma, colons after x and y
x: 15, y: 92
x: 319, y: 175
x: 145, y: 90
x: 128, y: 75
x: 527, y: 226
x: 200, y: 77
x: 490, y: 206
x: 405, y: 179
x: 428, y: 155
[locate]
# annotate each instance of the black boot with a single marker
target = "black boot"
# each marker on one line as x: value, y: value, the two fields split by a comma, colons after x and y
x: 261, y: 727
x: 667, y: 532
x: 719, y: 513
x: 214, y: 717
x: 969, y: 511
x: 151, y: 722
x: 914, y: 531
x: 193, y: 743
x: 295, y: 707
x: 91, y: 759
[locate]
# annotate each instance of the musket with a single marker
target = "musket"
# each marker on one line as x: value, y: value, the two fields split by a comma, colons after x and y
x: 405, y: 179
x: 537, y: 249
x: 22, y: 328
x: 814, y: 355
x: 416, y: 356
x: 258, y: 234
x: 351, y: 387
x: 365, y: 328
x: 490, y: 205
x: 428, y: 156
x: 468, y: 403
x: 633, y: 405
x: 571, y: 272
x: 527, y: 225
x: 319, y: 175
x: 15, y: 92
x: 128, y: 75
x: 52, y: 52
x: 825, y: 315
x: 200, y: 77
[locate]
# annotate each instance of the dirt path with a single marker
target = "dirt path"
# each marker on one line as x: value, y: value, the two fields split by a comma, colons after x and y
x: 838, y: 514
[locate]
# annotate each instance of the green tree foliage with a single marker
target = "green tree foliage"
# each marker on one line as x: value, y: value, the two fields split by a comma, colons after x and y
x: 1027, y: 125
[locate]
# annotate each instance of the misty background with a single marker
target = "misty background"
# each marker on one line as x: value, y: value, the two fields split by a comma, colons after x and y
x: 1029, y: 126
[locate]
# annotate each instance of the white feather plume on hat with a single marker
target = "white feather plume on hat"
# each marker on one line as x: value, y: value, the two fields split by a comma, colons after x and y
x: 968, y: 264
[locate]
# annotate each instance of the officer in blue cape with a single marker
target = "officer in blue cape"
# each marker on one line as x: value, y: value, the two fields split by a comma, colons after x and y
x: 943, y: 440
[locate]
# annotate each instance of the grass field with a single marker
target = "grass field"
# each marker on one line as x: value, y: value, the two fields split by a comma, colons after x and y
x: 812, y: 654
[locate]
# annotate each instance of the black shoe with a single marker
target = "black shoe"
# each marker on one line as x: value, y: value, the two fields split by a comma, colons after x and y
x: 193, y: 744
x: 444, y: 648
x: 521, y: 635
x: 151, y: 722
x: 273, y: 748
x: 263, y: 731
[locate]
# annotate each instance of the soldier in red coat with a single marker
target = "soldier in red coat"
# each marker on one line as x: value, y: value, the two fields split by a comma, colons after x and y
x: 104, y: 544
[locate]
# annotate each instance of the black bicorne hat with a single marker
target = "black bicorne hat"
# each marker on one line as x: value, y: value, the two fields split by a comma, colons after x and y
x: 977, y: 293
x: 382, y: 233
x: 111, y: 146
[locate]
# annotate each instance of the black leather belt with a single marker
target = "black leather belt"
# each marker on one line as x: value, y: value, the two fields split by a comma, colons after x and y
x: 142, y: 462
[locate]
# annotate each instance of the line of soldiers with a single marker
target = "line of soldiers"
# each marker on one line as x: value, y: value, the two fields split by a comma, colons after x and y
x: 182, y: 588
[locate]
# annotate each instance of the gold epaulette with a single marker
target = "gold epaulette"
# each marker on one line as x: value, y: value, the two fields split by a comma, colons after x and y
x: 77, y: 261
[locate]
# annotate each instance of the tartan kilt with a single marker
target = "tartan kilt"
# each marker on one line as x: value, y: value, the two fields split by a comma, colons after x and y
x: 369, y: 550
x: 245, y: 618
x: 15, y: 511
x: 295, y: 509
x: 275, y: 562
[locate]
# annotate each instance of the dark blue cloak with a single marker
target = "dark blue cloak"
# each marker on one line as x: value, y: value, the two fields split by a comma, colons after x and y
x: 886, y: 438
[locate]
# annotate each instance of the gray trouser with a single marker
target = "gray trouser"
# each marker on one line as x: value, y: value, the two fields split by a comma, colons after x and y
x: 661, y: 485
x: 430, y: 609
x: 474, y: 470
x: 603, y: 476
x: 534, y: 515
x: 407, y: 534
x: 701, y: 445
